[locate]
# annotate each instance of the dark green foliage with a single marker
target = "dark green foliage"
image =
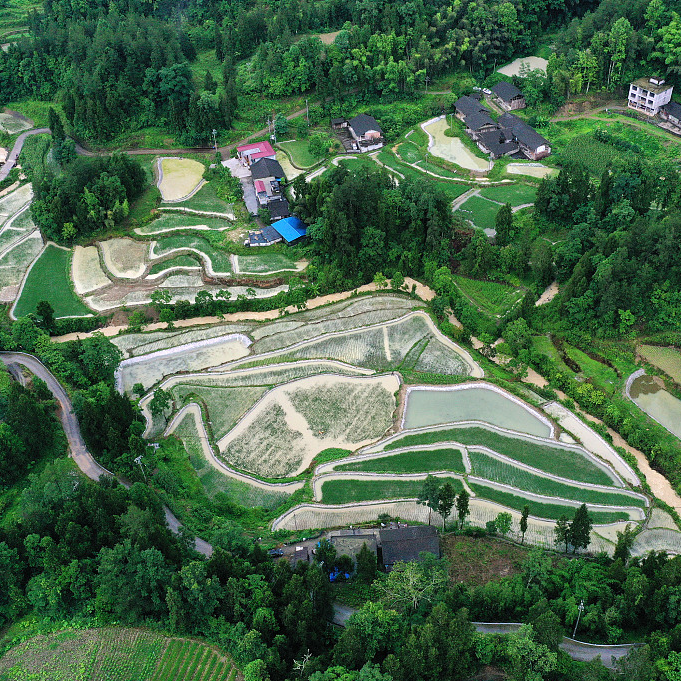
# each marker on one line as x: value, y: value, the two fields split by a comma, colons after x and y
x: 366, y: 565
x: 90, y: 193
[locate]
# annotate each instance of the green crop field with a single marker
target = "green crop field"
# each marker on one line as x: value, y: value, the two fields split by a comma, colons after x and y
x: 348, y: 491
x: 205, y: 199
x: 178, y: 261
x: 114, y: 654
x: 542, y: 510
x: 410, y: 153
x: 50, y: 280
x: 563, y: 462
x: 544, y: 346
x: 515, y: 194
x: 299, y: 153
x: 595, y: 155
x: 666, y: 359
x: 219, y: 259
x: 491, y: 468
x: 354, y: 164
x: 416, y: 461
x: 169, y: 221
x: 262, y: 263
x: 480, y: 211
x: 490, y: 297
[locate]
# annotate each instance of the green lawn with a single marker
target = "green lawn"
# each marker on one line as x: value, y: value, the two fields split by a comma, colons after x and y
x: 486, y: 466
x: 491, y: 298
x: 480, y: 211
x: 417, y: 461
x: 50, y: 280
x: 354, y: 164
x: 298, y: 151
x: 348, y: 491
x: 563, y: 462
x: 542, y: 510
x: 515, y: 194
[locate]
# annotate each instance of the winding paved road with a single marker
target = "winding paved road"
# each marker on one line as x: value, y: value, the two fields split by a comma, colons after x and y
x: 577, y: 650
x: 16, y: 150
x: 84, y: 460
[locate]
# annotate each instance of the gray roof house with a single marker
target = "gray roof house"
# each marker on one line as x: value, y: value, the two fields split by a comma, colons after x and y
x: 533, y: 145
x: 404, y: 544
x: 478, y: 122
x: 509, y: 96
x: 671, y: 112
x: 500, y: 142
x: 467, y: 106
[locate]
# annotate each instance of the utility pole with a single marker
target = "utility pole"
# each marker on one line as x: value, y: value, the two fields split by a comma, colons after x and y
x: 427, y: 79
x: 307, y: 112
x: 215, y: 141
x: 580, y: 610
x: 138, y: 460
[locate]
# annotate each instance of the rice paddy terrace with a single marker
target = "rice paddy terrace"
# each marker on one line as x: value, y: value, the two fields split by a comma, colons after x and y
x: 318, y: 401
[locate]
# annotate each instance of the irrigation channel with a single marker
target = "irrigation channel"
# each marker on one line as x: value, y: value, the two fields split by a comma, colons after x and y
x: 577, y: 650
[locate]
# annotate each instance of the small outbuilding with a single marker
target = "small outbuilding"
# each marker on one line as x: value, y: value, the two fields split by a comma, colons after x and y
x: 279, y: 209
x: 671, y: 112
x: 405, y: 544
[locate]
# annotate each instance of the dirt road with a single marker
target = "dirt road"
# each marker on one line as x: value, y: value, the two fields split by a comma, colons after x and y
x: 84, y: 460
x: 16, y: 150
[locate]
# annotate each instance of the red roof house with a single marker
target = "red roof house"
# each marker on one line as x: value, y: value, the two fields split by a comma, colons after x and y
x: 249, y: 153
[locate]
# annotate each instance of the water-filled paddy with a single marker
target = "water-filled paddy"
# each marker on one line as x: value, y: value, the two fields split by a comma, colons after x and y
x: 431, y: 406
x: 655, y: 401
x: 452, y: 149
x: 667, y: 359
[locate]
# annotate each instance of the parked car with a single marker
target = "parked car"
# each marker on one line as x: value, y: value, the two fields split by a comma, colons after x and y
x: 275, y: 553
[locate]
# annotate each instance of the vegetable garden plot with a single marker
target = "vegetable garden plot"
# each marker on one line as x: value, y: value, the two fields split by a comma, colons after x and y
x: 414, y: 461
x: 667, y: 359
x: 436, y: 358
x: 496, y: 470
x: 124, y: 258
x: 225, y: 406
x: 656, y: 540
x: 481, y: 212
x: 183, y: 262
x: 266, y: 263
x: 354, y: 306
x: 567, y: 462
x: 342, y: 491
x: 11, y: 124
x: 86, y: 270
x: 492, y: 298
x: 270, y: 329
x: 662, y: 520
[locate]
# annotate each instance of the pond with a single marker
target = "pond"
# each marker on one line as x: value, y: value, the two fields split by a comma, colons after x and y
x: 655, y: 401
x: 432, y: 406
x: 452, y: 149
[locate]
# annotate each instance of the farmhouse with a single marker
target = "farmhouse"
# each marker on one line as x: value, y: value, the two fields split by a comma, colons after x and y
x: 290, y: 230
x: 671, y: 112
x: 499, y: 142
x: 267, y: 175
x: 279, y: 209
x: 508, y: 96
x: 250, y: 153
x: 479, y: 122
x: 405, y: 544
x: 532, y: 144
x: 648, y: 95
x: 467, y: 106
x: 361, y: 133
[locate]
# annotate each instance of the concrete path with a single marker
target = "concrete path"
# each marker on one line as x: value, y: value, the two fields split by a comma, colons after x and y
x: 16, y: 150
x: 79, y: 452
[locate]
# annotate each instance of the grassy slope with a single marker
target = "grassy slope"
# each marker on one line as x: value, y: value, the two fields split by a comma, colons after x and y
x: 515, y: 194
x: 482, y: 212
x: 488, y: 296
x: 299, y: 153
x: 50, y: 280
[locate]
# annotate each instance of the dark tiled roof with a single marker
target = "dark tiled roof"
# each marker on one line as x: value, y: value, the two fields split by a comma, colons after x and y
x: 337, y: 121
x: 506, y: 91
x: 524, y: 133
x: 266, y: 167
x: 406, y: 543
x: 362, y: 123
x: 499, y: 142
x: 468, y: 106
x: 673, y: 109
x: 279, y: 208
x: 478, y: 120
x: 265, y: 236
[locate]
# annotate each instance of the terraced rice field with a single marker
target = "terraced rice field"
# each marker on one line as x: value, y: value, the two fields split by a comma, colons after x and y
x: 347, y: 491
x: 218, y: 262
x: 666, y: 359
x: 413, y: 461
x: 265, y: 263
x: 175, y: 222
x: 515, y: 194
x: 481, y: 212
x: 179, y: 177
x: 115, y: 654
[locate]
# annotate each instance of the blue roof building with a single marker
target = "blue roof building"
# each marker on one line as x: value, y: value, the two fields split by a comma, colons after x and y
x: 292, y: 229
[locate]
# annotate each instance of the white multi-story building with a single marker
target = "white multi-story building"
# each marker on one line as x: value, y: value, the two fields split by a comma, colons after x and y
x: 648, y: 95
